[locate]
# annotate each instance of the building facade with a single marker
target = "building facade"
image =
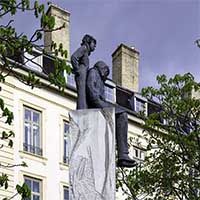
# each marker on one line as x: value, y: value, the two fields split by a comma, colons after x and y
x: 41, y: 119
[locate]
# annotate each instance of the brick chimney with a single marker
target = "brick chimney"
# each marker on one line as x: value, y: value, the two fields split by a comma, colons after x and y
x: 125, y: 66
x: 59, y: 36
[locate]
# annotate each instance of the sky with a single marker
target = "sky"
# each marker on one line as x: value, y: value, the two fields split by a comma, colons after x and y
x: 163, y: 31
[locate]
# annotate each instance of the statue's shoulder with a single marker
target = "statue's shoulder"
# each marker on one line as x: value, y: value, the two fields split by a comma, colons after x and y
x: 82, y: 49
x: 92, y: 72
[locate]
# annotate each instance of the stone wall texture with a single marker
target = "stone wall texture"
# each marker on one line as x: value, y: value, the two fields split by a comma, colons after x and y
x: 59, y: 36
x: 125, y: 69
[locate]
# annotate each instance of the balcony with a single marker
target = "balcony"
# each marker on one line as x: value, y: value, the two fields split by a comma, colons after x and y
x: 32, y: 149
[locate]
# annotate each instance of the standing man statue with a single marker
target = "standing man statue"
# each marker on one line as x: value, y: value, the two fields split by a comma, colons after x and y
x: 80, y: 64
x: 96, y: 99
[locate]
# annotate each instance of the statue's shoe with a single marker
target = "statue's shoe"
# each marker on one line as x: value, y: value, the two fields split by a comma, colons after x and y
x: 125, y: 157
x: 126, y: 163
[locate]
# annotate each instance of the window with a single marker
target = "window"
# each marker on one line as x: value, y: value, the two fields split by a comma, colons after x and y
x: 139, y: 105
x: 110, y: 89
x: 36, y: 188
x: 65, y: 193
x: 70, y: 79
x: 34, y: 60
x: 65, y: 144
x: 109, y: 93
x: 32, y: 131
x: 138, y: 153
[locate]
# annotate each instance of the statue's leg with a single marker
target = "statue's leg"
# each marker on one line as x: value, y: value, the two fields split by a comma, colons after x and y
x: 121, y: 125
x: 80, y: 79
x: 121, y: 134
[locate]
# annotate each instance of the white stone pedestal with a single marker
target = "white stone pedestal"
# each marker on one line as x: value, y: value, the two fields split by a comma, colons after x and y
x: 92, y: 154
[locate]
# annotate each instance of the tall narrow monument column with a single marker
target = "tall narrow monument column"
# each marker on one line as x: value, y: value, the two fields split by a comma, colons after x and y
x: 92, y: 154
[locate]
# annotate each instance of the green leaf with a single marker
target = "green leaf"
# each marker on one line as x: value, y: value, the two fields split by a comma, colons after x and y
x: 19, y: 189
x: 1, y: 104
x: 24, y: 164
x: 4, y: 135
x: 11, y: 134
x: 36, y: 9
x: 10, y: 143
x: 41, y: 8
x: 39, y: 35
x: 6, y: 185
x: 51, y: 22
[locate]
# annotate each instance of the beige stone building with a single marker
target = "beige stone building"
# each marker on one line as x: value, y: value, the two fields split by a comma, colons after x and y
x: 41, y: 118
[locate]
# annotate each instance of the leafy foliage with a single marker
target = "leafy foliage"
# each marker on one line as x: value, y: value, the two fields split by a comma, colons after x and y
x: 14, y: 46
x: 171, y: 169
x: 13, y: 49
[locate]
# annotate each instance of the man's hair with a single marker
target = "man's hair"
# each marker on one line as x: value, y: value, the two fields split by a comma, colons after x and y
x: 87, y: 39
x: 101, y: 64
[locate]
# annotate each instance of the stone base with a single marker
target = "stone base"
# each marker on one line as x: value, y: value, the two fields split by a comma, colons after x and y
x: 92, y: 154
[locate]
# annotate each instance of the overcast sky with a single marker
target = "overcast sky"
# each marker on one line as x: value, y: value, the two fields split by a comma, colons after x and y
x: 163, y: 31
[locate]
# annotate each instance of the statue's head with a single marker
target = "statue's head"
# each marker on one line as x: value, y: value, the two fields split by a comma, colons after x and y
x: 103, y: 69
x: 89, y: 41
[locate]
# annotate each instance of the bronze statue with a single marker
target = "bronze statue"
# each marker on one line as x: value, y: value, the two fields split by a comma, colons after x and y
x: 80, y: 64
x: 96, y: 99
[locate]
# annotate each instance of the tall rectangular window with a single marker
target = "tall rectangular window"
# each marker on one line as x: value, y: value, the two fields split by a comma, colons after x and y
x: 36, y: 188
x: 32, y: 131
x: 139, y: 105
x: 65, y: 143
x: 65, y: 193
x: 70, y: 79
x: 109, y: 93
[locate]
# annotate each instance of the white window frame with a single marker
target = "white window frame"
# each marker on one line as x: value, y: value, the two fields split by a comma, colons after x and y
x: 65, y: 188
x: 110, y: 91
x: 32, y: 179
x: 31, y: 144
x: 70, y: 78
x: 36, y: 62
x: 141, y: 100
x: 140, y: 155
x: 65, y: 138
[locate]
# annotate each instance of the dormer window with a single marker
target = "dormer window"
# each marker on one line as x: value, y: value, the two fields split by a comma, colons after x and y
x: 110, y: 91
x: 138, y: 104
x: 70, y: 79
x: 34, y: 60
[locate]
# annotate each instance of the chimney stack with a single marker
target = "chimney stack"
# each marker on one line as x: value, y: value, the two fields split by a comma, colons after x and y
x: 59, y: 36
x: 125, y: 66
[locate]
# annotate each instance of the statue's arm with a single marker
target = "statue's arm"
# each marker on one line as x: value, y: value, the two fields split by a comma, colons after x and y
x: 76, y: 56
x: 92, y: 88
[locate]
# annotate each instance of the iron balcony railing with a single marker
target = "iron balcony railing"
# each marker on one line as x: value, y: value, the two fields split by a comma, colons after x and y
x: 32, y: 149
